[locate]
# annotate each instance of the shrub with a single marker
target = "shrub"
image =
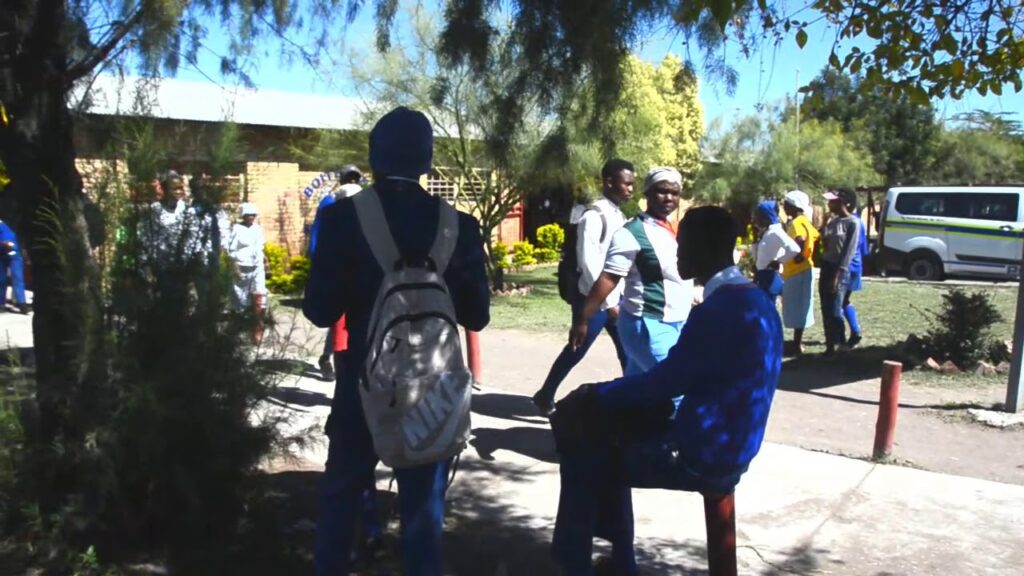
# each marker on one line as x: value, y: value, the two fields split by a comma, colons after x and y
x: 285, y: 275
x: 499, y: 255
x: 550, y: 237
x: 544, y: 255
x: 961, y: 329
x: 522, y: 254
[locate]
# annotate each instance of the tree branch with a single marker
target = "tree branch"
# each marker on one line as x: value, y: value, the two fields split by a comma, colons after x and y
x: 104, y: 50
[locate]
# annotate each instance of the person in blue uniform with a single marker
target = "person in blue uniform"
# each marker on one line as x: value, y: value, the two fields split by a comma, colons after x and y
x: 627, y: 433
x: 11, y: 263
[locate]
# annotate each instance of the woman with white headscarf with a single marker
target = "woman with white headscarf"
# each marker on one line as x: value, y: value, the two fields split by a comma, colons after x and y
x: 246, y: 250
x: 798, y: 273
x: 656, y: 301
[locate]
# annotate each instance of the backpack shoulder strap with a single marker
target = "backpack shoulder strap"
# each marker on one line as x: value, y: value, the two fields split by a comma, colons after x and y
x: 370, y: 214
x: 447, y: 234
x: 604, y: 220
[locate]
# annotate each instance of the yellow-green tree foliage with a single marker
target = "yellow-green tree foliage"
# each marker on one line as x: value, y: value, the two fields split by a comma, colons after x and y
x: 659, y: 120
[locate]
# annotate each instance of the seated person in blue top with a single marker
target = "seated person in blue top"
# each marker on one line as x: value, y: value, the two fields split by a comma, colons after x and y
x: 624, y: 434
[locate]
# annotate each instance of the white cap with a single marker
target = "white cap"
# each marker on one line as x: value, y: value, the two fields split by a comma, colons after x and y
x: 249, y: 209
x: 799, y: 200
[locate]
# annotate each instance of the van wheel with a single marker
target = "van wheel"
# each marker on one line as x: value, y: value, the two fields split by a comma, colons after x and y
x: 924, y: 266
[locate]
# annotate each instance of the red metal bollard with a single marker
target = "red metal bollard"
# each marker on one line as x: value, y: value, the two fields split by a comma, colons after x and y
x: 888, y: 406
x: 473, y: 354
x: 720, y: 522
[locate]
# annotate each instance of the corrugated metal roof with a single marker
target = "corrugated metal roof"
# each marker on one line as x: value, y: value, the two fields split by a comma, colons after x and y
x: 209, y: 102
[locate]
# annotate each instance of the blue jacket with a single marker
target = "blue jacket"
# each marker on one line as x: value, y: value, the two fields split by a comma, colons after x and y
x: 726, y: 366
x: 314, y: 230
x: 345, y: 277
x: 8, y: 235
x: 857, y: 263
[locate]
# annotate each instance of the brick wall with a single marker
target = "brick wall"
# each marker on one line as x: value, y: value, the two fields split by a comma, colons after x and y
x: 284, y: 212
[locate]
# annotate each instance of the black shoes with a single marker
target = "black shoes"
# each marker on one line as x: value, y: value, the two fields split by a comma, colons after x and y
x: 326, y: 370
x: 544, y: 406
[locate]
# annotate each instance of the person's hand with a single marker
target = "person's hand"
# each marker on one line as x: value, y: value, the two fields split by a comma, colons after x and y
x: 613, y: 313
x: 577, y: 334
x: 835, y: 283
x: 774, y: 266
x: 799, y: 259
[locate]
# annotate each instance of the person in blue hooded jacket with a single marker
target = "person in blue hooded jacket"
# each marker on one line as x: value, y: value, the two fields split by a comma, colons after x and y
x: 344, y: 279
x: 626, y: 434
x: 11, y: 262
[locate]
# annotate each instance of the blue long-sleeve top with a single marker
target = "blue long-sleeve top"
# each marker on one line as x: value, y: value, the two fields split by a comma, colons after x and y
x: 8, y: 235
x: 726, y: 366
x: 857, y: 263
x: 345, y: 277
x: 314, y: 229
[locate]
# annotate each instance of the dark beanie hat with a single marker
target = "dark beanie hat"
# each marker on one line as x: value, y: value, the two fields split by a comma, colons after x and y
x: 402, y: 144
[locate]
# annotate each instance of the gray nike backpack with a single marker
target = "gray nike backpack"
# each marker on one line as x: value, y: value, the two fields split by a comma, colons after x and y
x: 414, y: 385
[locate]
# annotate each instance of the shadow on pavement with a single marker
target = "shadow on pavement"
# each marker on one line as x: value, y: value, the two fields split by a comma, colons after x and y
x: 290, y: 366
x: 291, y: 302
x: 289, y: 395
x: 484, y: 535
x: 507, y: 407
x: 535, y: 443
x: 814, y: 371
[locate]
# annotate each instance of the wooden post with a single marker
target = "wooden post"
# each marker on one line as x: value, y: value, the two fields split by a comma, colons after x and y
x: 1015, y: 384
x: 473, y: 354
x: 888, y: 406
x: 720, y: 523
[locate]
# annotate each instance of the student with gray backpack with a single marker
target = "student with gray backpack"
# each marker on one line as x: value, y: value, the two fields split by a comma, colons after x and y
x: 407, y: 269
x: 582, y: 262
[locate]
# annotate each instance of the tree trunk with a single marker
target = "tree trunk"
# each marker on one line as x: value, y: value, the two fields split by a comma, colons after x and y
x: 36, y: 147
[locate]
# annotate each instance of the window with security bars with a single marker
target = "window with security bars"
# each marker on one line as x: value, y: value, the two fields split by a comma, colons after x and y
x: 439, y: 185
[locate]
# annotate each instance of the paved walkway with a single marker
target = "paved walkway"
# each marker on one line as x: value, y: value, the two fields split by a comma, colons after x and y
x: 798, y: 511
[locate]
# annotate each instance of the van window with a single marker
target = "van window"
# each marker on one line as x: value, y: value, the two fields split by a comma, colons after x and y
x: 999, y: 207
x: 922, y: 204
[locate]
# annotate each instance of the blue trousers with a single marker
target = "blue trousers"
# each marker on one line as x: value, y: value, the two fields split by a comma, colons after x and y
x: 646, y: 341
x: 351, y: 461
x: 832, y: 303
x: 569, y: 358
x: 596, y: 498
x: 17, y: 270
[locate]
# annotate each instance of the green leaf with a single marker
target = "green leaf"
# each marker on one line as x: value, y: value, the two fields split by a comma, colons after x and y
x: 801, y: 37
x: 833, y: 60
x: 957, y: 69
x: 948, y: 43
x: 997, y: 87
x: 855, y: 67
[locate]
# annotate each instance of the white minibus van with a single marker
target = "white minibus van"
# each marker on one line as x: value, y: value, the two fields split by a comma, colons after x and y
x: 927, y: 232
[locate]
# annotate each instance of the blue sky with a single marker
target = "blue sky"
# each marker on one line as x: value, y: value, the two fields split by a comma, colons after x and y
x: 768, y: 76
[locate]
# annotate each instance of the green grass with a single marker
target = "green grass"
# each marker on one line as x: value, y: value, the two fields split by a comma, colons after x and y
x: 540, y: 311
x: 888, y: 313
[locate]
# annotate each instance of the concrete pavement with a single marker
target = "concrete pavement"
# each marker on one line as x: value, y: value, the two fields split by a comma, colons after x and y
x: 798, y: 511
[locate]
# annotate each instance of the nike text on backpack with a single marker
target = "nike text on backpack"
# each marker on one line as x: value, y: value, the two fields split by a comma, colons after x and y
x: 414, y: 385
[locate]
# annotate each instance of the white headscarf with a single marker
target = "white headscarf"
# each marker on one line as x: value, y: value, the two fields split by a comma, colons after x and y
x: 662, y: 174
x: 798, y: 199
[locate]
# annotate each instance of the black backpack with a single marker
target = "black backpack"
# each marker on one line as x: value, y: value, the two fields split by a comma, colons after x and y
x: 568, y: 265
